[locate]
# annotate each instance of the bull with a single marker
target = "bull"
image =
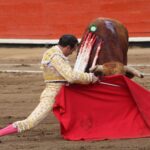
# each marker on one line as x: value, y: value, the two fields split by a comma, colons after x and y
x: 103, y: 49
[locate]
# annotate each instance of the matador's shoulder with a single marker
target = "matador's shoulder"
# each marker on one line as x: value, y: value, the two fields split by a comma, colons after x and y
x: 50, y: 53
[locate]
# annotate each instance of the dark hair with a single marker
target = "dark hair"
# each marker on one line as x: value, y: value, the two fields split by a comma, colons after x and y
x: 68, y: 40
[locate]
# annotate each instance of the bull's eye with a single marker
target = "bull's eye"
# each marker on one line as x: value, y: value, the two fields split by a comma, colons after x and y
x: 93, y: 28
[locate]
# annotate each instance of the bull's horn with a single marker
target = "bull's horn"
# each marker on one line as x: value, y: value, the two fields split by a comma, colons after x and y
x: 97, y: 68
x: 133, y: 71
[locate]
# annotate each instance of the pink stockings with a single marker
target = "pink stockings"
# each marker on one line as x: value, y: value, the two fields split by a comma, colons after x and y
x: 10, y: 129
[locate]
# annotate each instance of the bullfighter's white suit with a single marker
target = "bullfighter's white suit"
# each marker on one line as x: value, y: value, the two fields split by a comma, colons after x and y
x: 57, y: 71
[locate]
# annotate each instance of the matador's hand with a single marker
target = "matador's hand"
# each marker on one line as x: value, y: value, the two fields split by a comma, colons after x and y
x: 94, y: 79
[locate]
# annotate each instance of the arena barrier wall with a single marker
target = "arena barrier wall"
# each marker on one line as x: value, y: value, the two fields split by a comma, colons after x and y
x: 44, y: 21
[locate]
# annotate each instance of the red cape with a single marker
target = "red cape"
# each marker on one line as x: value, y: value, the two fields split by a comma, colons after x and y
x: 100, y: 111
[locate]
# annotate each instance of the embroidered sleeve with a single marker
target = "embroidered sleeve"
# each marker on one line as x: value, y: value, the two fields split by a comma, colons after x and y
x: 64, y: 68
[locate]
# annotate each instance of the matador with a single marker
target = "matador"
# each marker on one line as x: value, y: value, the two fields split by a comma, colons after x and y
x: 57, y: 72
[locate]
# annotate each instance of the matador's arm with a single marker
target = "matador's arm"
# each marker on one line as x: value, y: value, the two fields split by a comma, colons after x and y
x: 64, y: 68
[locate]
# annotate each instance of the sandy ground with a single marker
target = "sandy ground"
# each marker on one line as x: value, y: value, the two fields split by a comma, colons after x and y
x: 20, y: 94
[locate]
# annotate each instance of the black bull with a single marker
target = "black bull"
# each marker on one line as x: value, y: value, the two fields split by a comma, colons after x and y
x: 112, y: 57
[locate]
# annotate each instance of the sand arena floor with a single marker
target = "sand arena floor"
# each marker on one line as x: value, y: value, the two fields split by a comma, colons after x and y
x: 20, y: 92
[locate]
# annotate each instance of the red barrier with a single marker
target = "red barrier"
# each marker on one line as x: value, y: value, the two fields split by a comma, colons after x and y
x: 48, y: 19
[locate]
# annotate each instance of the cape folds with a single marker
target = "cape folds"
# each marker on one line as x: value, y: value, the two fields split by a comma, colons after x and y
x: 101, y: 111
